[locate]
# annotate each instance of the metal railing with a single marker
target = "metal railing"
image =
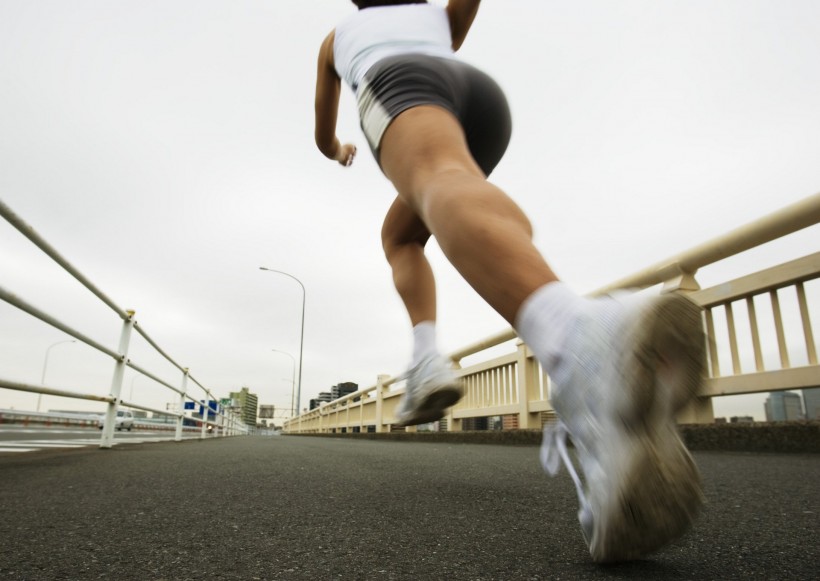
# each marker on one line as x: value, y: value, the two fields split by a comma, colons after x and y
x: 515, y: 386
x: 224, y: 423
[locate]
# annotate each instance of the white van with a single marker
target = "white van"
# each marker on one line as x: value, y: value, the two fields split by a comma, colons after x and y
x: 124, y: 420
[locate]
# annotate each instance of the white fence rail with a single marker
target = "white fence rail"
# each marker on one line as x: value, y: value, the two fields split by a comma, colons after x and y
x: 225, y: 422
x: 514, y: 385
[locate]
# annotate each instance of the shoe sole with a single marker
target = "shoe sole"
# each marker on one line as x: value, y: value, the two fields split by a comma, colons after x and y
x: 668, y: 360
x: 660, y: 492
x: 433, y: 405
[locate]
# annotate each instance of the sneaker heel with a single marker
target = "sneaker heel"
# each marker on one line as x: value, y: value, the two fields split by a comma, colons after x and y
x: 682, y: 351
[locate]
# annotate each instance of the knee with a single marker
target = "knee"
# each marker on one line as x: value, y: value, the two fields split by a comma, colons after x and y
x: 395, y: 247
x: 399, y: 251
x: 398, y: 235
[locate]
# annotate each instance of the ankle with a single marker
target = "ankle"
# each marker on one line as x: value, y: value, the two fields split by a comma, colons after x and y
x: 545, y: 318
x: 424, y: 342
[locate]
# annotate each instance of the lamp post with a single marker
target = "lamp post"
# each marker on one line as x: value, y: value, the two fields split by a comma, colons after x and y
x: 302, y: 338
x: 133, y: 379
x: 293, y: 380
x: 45, y: 365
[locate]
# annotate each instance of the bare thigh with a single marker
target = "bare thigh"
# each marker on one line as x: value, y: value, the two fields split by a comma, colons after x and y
x: 421, y: 144
x: 480, y: 229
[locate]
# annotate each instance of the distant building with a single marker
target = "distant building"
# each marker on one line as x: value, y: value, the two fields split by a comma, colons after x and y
x: 247, y: 403
x: 741, y: 420
x: 343, y: 389
x: 337, y: 391
x: 811, y: 403
x: 323, y: 397
x: 783, y: 406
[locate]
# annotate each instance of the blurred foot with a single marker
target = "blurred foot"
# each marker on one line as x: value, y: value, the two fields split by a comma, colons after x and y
x: 630, y: 365
x: 432, y: 387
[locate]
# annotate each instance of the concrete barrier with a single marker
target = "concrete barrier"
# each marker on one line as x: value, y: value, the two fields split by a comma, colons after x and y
x: 780, y: 437
x: 798, y: 436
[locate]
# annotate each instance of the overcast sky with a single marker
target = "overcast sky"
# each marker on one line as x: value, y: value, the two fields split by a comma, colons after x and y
x: 165, y: 148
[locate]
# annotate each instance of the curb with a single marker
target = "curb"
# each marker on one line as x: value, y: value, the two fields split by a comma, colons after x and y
x: 781, y: 437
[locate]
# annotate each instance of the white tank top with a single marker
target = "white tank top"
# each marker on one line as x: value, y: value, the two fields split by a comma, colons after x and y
x: 375, y: 33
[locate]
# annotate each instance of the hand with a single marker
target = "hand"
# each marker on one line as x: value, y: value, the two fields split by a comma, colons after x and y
x: 345, y: 154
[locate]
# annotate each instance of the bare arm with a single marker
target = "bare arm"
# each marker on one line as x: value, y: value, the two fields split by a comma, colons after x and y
x: 328, y: 89
x: 461, y: 14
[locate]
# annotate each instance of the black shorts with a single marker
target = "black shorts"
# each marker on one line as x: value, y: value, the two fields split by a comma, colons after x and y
x: 396, y: 84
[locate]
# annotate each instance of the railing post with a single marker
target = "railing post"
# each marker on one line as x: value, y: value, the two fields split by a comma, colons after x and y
x: 380, y: 389
x: 181, y: 418
x: 107, y: 440
x: 683, y: 282
x: 204, y: 417
x: 453, y: 424
x: 527, y: 387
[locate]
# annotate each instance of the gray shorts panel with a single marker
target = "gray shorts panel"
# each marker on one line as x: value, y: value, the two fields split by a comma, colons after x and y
x: 399, y: 83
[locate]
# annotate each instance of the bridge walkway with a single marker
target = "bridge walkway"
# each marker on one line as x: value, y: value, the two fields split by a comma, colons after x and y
x: 293, y: 507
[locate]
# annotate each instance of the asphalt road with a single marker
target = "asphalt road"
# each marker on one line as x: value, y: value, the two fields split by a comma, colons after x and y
x: 320, y: 508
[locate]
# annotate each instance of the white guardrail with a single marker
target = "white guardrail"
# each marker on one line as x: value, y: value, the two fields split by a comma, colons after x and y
x: 515, y: 387
x: 224, y: 423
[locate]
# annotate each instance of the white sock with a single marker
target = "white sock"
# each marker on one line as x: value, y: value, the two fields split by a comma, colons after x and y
x: 424, y: 341
x: 544, y: 318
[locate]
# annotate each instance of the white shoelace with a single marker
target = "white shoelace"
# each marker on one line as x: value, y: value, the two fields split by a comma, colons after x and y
x: 553, y: 451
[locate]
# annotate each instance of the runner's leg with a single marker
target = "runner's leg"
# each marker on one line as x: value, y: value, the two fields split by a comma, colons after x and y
x: 481, y: 231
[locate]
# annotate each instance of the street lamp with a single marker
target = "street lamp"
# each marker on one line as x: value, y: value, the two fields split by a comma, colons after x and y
x: 133, y: 379
x: 45, y: 364
x: 302, y: 339
x: 293, y: 381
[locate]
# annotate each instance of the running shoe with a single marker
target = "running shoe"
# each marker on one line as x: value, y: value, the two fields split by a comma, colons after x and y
x: 431, y: 388
x: 632, y: 364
